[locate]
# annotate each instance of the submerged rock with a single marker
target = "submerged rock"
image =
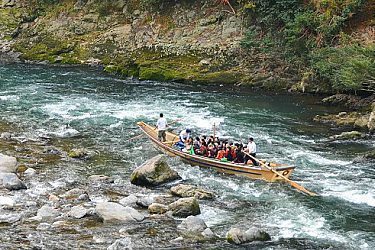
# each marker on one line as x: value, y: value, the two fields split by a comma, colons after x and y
x: 11, y: 181
x: 8, y: 164
x: 114, y: 212
x: 184, y: 207
x: 237, y: 236
x: 352, y: 135
x: 153, y: 172
x: 78, y: 153
x: 182, y: 190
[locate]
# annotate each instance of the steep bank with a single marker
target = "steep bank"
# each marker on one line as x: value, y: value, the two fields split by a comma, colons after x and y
x: 308, y: 46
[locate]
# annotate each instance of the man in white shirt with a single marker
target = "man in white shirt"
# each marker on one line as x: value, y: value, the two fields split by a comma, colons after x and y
x: 162, y: 125
x: 251, y: 150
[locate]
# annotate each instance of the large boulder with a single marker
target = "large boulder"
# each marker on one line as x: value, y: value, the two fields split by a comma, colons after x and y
x: 114, y: 212
x: 183, y: 190
x: 8, y: 164
x: 153, y: 172
x: 11, y: 181
x: 237, y: 236
x: 184, y: 207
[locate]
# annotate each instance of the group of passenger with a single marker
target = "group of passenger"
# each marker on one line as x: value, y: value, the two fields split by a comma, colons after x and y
x: 210, y: 146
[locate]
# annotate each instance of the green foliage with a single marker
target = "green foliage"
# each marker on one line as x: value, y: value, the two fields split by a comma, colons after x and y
x: 347, y: 68
x: 293, y: 29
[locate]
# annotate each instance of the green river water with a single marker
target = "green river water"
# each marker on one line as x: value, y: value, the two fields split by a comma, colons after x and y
x: 81, y: 107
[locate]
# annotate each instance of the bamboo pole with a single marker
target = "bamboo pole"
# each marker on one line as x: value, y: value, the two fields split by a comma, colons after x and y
x: 292, y: 183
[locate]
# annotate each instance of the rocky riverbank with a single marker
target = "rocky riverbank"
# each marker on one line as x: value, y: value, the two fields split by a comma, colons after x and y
x: 358, y: 113
x: 101, y: 211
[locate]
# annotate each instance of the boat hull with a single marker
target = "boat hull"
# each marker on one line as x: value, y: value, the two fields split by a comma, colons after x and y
x: 251, y: 172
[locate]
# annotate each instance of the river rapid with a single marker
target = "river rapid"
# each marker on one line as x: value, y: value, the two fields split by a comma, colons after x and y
x: 76, y: 107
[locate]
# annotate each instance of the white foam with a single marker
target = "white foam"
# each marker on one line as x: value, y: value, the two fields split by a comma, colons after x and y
x: 9, y: 98
x: 317, y: 158
x: 355, y: 196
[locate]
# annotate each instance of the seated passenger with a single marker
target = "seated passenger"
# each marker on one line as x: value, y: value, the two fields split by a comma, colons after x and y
x: 220, y: 153
x: 203, y: 148
x: 196, y: 144
x: 211, y: 151
x: 228, y: 154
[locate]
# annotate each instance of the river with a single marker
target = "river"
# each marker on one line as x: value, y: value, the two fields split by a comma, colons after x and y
x: 84, y: 108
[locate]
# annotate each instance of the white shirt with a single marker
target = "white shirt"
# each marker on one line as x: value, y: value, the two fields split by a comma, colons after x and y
x: 252, y: 147
x: 161, y: 123
x: 184, y: 135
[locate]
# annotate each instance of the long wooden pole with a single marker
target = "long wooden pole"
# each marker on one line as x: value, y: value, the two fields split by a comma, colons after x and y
x: 292, y: 183
x: 135, y: 137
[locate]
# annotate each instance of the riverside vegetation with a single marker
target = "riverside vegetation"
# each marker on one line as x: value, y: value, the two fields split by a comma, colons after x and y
x: 315, y: 46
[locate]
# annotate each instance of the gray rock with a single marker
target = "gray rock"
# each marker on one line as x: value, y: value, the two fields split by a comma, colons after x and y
x: 129, y: 200
x: 157, y: 208
x: 47, y: 212
x: 184, y: 207
x: 77, y: 212
x: 8, y: 164
x: 11, y: 181
x: 6, y: 136
x: 30, y: 172
x: 183, y: 190
x: 192, y: 225
x: 73, y: 193
x: 43, y: 226
x: 153, y: 172
x: 237, y: 236
x: 122, y: 244
x: 145, y: 201
x: 113, y: 212
x: 6, y: 201
x: 208, y: 234
x: 9, y: 218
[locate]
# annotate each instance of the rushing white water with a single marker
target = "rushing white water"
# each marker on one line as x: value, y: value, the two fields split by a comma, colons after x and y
x: 101, y: 112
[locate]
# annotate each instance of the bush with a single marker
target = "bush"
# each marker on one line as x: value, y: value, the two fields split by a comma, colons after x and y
x: 348, y: 68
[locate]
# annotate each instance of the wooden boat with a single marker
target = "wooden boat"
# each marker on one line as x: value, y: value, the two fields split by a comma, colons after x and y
x: 253, y: 172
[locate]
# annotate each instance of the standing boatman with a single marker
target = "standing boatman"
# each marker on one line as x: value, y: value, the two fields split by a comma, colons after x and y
x: 251, y: 150
x: 162, y: 125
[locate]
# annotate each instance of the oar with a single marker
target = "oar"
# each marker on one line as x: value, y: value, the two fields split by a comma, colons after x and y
x: 292, y: 183
x: 135, y: 137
